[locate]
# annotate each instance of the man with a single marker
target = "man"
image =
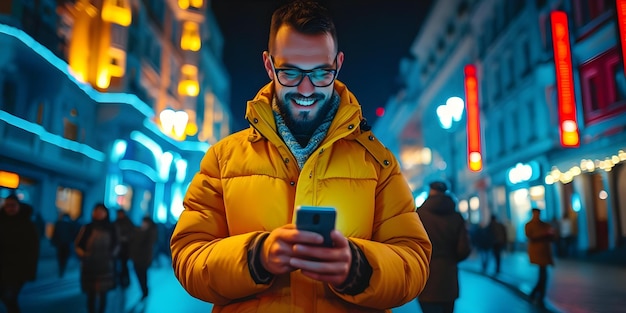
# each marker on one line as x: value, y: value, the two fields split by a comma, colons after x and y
x: 498, y: 232
x: 63, y: 236
x: 125, y: 230
x: 142, y: 252
x: 451, y: 244
x: 540, y: 236
x: 235, y: 244
x: 19, y: 251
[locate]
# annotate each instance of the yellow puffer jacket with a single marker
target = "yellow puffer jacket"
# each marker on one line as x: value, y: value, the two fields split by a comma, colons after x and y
x: 249, y: 183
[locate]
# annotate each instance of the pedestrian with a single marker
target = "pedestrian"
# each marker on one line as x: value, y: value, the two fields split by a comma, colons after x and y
x: 540, y: 236
x: 19, y: 251
x: 499, y: 234
x: 63, y: 236
x: 142, y: 252
x: 236, y: 244
x: 450, y: 239
x: 96, y: 245
x: 483, y: 240
x: 125, y: 229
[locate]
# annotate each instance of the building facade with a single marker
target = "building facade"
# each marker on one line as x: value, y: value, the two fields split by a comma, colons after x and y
x: 108, y: 101
x: 527, y: 55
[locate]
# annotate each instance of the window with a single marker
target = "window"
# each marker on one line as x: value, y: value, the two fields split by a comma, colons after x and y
x: 40, y: 111
x: 586, y: 11
x: 69, y: 201
x: 526, y: 59
x: 603, y: 86
x: 9, y: 97
x: 70, y: 129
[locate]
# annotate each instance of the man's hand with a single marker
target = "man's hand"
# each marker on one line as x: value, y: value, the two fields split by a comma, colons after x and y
x: 287, y: 249
x: 327, y: 264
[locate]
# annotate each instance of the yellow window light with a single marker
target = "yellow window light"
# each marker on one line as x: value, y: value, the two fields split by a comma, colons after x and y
x: 190, y: 38
x: 185, y: 4
x: 117, y: 12
x: 104, y: 79
x: 9, y: 180
x: 188, y: 84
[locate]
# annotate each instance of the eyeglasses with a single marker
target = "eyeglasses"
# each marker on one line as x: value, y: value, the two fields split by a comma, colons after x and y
x: 292, y: 77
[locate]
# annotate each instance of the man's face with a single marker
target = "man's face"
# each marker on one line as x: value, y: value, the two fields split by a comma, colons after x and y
x: 304, y: 105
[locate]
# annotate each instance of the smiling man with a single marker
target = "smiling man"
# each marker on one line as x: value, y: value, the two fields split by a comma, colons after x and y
x: 236, y: 244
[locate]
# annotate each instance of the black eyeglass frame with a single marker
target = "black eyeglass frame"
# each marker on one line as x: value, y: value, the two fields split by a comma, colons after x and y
x: 304, y: 73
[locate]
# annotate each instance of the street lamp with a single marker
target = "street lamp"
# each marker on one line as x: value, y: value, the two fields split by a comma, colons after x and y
x: 449, y: 116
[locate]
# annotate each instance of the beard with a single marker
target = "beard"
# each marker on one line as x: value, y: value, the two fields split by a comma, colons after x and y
x: 302, y: 124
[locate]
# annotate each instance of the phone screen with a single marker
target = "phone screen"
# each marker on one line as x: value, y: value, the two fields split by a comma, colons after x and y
x: 317, y: 219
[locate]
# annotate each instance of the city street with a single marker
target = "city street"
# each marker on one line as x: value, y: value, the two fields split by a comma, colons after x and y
x: 50, y: 294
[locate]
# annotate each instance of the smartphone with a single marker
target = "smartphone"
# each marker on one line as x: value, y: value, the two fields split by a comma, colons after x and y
x: 317, y: 219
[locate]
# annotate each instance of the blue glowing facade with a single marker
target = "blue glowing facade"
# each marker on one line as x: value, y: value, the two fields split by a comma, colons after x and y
x: 76, y: 141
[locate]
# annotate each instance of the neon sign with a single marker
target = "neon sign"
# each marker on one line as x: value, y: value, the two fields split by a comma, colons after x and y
x: 568, y: 126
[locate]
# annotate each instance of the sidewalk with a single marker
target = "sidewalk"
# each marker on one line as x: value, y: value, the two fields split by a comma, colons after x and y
x: 589, y: 284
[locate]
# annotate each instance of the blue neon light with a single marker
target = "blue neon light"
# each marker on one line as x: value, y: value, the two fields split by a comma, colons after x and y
x: 51, y: 138
x: 122, y: 98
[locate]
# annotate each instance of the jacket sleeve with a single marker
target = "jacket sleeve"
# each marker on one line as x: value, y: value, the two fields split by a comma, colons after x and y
x: 209, y: 263
x: 399, y: 250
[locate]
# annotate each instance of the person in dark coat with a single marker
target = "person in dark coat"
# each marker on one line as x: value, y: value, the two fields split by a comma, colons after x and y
x: 63, y: 236
x: 142, y: 251
x: 96, y: 245
x: 498, y: 233
x: 125, y: 229
x: 448, y: 233
x: 540, y: 236
x: 19, y: 251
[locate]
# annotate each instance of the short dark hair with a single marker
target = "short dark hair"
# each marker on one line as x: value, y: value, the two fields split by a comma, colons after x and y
x: 305, y: 16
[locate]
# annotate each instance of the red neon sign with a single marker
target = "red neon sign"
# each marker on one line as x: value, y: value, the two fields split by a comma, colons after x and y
x: 621, y: 17
x: 474, y: 153
x: 568, y: 126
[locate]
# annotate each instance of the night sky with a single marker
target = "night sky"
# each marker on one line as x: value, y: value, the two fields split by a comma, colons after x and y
x: 374, y: 35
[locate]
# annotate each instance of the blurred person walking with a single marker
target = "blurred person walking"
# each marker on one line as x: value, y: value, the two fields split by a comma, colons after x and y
x: 499, y: 241
x: 448, y: 233
x: 63, y: 237
x: 540, y: 236
x: 482, y: 239
x: 19, y: 251
x: 125, y: 229
x: 96, y: 245
x: 142, y: 251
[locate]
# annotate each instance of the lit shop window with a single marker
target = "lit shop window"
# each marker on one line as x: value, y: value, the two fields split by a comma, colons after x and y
x: 69, y: 201
x: 124, y: 196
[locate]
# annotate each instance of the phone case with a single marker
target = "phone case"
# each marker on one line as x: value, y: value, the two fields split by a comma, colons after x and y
x: 317, y: 219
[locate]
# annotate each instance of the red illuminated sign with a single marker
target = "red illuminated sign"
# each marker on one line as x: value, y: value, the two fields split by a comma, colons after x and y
x: 568, y: 126
x: 621, y: 17
x: 474, y: 153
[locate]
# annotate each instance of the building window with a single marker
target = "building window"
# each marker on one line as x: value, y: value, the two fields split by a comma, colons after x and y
x: 9, y: 97
x: 603, y: 86
x: 40, y: 109
x: 70, y: 128
x: 586, y: 11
